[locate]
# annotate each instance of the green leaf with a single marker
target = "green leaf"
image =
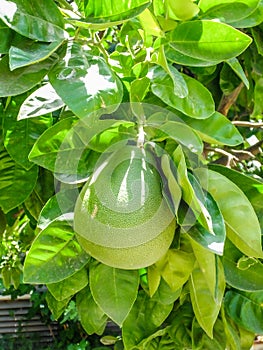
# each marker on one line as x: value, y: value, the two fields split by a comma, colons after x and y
x: 242, y: 272
x: 164, y: 294
x: 75, y: 75
x: 119, y: 292
x: 208, y: 40
x: 150, y: 23
x: 182, y: 134
x: 20, y: 136
x: 182, y: 11
x: 202, y: 341
x: 237, y: 68
x: 144, y: 318
x: 246, y: 238
x: 107, y: 14
x: 46, y: 148
x: 3, y: 222
x: 181, y: 58
x: 92, y: 318
x: 54, y: 246
x: 56, y: 307
x: 228, y: 11
x: 213, y: 242
x: 188, y: 193
x: 171, y: 189
x: 181, y: 324
x: 42, y: 101
x: 40, y: 20
x: 64, y: 148
x: 22, y: 79
x: 233, y: 341
x: 216, y: 129
x: 138, y: 90
x: 25, y: 52
x: 175, y: 267
x: 257, y: 36
x: 254, y: 19
x: 245, y: 309
x: 59, y: 206
x: 198, y: 104
x: 258, y: 91
x: 180, y: 86
x: 69, y: 286
x: 120, y: 130
x: 6, y: 35
x: 16, y: 183
x: 206, y: 305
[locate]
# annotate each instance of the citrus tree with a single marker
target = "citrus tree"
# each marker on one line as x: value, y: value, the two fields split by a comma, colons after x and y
x: 131, y: 167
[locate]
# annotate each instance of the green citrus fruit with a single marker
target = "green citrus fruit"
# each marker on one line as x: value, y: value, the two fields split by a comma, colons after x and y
x: 121, y: 217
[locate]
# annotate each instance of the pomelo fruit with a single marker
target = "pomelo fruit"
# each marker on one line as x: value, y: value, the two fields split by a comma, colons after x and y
x: 121, y: 217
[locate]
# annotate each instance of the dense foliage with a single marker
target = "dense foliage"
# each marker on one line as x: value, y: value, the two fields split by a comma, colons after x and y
x: 80, y: 79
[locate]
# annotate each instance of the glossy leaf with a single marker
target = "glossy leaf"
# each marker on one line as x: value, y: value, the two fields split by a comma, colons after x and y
x: 217, y: 129
x: 180, y: 86
x: 6, y: 35
x: 66, y: 288
x: 119, y: 292
x: 119, y: 131
x: 144, y: 318
x: 182, y: 134
x: 237, y: 68
x: 57, y: 207
x: 42, y: 101
x: 27, y: 52
x: 164, y: 294
x: 46, y: 148
x: 54, y: 246
x: 150, y: 23
x: 247, y: 238
x: 104, y: 14
x: 188, y: 105
x: 228, y: 11
x: 22, y: 79
x: 245, y: 309
x: 233, y: 341
x: 176, y: 56
x: 172, y: 190
x: 202, y: 341
x: 40, y: 20
x: 19, y: 137
x: 254, y: 19
x: 242, y: 272
x: 175, y: 267
x: 75, y: 76
x: 16, y: 183
x: 182, y: 11
x: 168, y: 78
x: 64, y: 148
x: 56, y: 307
x: 213, y: 242
x: 209, y: 40
x: 92, y: 318
x: 206, y: 305
x: 188, y: 193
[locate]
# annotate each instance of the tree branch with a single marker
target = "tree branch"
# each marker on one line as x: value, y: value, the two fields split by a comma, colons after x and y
x: 231, y: 157
x: 228, y: 100
x: 247, y: 124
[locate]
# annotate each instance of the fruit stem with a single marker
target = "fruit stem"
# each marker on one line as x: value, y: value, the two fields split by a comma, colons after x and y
x: 141, y: 136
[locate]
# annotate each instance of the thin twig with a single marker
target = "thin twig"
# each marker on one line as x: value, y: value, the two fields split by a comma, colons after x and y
x: 229, y: 158
x: 248, y: 124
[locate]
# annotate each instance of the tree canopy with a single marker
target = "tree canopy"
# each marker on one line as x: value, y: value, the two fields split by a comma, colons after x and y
x: 181, y: 81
